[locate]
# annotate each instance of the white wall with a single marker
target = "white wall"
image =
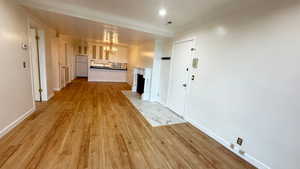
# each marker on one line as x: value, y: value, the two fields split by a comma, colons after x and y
x: 15, y: 86
x: 165, y: 72
x: 146, y: 54
x: 55, y: 63
x: 155, y: 80
x: 133, y: 55
x: 71, y: 57
x: 248, y: 82
x: 140, y: 55
x: 121, y: 55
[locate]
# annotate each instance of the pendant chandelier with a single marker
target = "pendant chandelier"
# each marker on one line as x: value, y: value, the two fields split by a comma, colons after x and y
x: 111, y: 40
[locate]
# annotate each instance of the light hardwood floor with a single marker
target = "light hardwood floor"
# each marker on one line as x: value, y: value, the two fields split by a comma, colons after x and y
x: 93, y: 126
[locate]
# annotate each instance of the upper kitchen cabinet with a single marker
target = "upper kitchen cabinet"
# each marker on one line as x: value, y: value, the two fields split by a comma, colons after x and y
x: 83, y: 50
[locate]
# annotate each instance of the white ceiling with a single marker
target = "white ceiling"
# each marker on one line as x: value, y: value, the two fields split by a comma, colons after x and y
x: 137, y: 14
x: 83, y: 29
x: 128, y: 15
x: 180, y: 11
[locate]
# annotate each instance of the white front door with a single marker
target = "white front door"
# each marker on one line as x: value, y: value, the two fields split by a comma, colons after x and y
x: 179, y: 81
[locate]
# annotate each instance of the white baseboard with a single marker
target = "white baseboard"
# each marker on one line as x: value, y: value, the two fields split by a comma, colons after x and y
x: 129, y: 84
x: 163, y: 103
x: 16, y: 122
x: 50, y: 96
x: 227, y: 144
x: 108, y: 81
x: 56, y: 89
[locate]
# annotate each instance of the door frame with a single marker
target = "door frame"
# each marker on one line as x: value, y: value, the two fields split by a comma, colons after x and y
x: 41, y: 49
x: 193, y: 39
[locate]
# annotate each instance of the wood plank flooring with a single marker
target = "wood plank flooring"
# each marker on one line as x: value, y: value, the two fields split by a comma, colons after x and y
x: 93, y: 126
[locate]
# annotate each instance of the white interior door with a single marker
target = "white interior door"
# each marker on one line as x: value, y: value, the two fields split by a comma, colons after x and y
x: 180, y: 66
x: 64, y: 63
x: 35, y: 64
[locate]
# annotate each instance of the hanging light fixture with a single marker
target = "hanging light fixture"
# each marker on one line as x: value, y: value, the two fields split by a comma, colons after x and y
x: 111, y: 39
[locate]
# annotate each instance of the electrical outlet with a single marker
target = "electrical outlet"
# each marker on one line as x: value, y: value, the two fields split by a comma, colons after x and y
x: 239, y: 141
x: 242, y: 152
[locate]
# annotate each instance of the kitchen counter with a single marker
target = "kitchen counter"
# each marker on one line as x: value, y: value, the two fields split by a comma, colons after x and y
x: 107, y: 75
x: 100, y: 71
x: 107, y: 68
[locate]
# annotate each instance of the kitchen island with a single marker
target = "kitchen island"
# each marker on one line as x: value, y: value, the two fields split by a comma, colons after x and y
x: 107, y: 73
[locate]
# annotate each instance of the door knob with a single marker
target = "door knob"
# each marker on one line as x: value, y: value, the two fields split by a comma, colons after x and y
x: 184, y: 85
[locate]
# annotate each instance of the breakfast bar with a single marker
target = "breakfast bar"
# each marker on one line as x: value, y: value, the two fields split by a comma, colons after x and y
x: 111, y: 72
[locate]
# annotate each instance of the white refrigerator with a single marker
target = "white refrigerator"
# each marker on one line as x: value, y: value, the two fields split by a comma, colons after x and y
x: 82, y: 66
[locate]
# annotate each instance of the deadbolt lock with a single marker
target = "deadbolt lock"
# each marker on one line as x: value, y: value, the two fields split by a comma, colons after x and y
x: 193, y: 77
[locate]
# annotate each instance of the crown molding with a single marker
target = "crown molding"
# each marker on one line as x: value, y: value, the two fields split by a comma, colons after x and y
x: 93, y: 15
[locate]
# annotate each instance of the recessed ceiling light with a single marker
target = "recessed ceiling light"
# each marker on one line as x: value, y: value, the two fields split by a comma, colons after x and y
x: 162, y: 12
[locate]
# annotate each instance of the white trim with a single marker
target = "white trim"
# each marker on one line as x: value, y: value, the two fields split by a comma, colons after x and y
x: 12, y: 125
x: 56, y: 89
x: 129, y: 83
x: 155, y: 79
x: 227, y: 144
x: 147, y: 73
x: 97, y: 16
x: 185, y: 40
x: 43, y: 63
x: 112, y: 81
x: 50, y: 96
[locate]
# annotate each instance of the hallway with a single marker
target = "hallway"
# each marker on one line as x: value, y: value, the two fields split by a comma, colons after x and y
x: 94, y: 126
